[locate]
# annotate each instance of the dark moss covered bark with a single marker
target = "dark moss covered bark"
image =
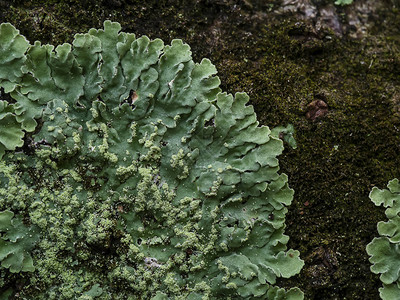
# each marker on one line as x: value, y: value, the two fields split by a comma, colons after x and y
x: 284, y: 64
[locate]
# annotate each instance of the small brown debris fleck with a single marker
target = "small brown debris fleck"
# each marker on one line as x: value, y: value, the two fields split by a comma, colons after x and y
x: 120, y: 208
x: 316, y: 109
x: 133, y: 97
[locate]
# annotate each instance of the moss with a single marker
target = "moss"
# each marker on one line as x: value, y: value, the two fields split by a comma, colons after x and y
x: 284, y: 65
x: 339, y: 156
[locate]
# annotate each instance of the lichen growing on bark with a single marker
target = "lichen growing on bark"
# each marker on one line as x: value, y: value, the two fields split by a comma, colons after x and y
x: 285, y: 62
x: 144, y: 179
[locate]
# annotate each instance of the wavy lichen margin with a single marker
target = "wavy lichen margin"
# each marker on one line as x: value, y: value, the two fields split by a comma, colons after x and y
x: 142, y: 174
x: 16, y: 242
x: 385, y: 250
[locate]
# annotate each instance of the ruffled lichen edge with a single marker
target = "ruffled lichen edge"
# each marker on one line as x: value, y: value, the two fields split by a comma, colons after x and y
x: 44, y: 88
x: 384, y: 250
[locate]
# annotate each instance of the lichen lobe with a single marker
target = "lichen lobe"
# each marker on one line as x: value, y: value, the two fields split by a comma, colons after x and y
x: 144, y: 175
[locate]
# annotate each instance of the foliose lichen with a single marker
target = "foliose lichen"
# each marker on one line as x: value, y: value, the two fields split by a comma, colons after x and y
x: 138, y: 177
x: 385, y: 250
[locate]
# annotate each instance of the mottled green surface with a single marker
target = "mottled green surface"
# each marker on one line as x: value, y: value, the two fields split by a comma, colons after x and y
x: 141, y: 179
x: 284, y: 65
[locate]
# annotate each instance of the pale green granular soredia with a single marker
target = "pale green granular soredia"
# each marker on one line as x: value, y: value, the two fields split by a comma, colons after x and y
x: 384, y: 250
x: 343, y: 2
x: 125, y: 173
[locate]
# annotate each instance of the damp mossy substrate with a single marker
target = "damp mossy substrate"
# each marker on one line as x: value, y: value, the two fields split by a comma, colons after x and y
x: 284, y: 64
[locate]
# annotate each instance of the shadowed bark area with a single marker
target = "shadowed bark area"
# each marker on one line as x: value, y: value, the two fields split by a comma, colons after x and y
x: 332, y: 72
